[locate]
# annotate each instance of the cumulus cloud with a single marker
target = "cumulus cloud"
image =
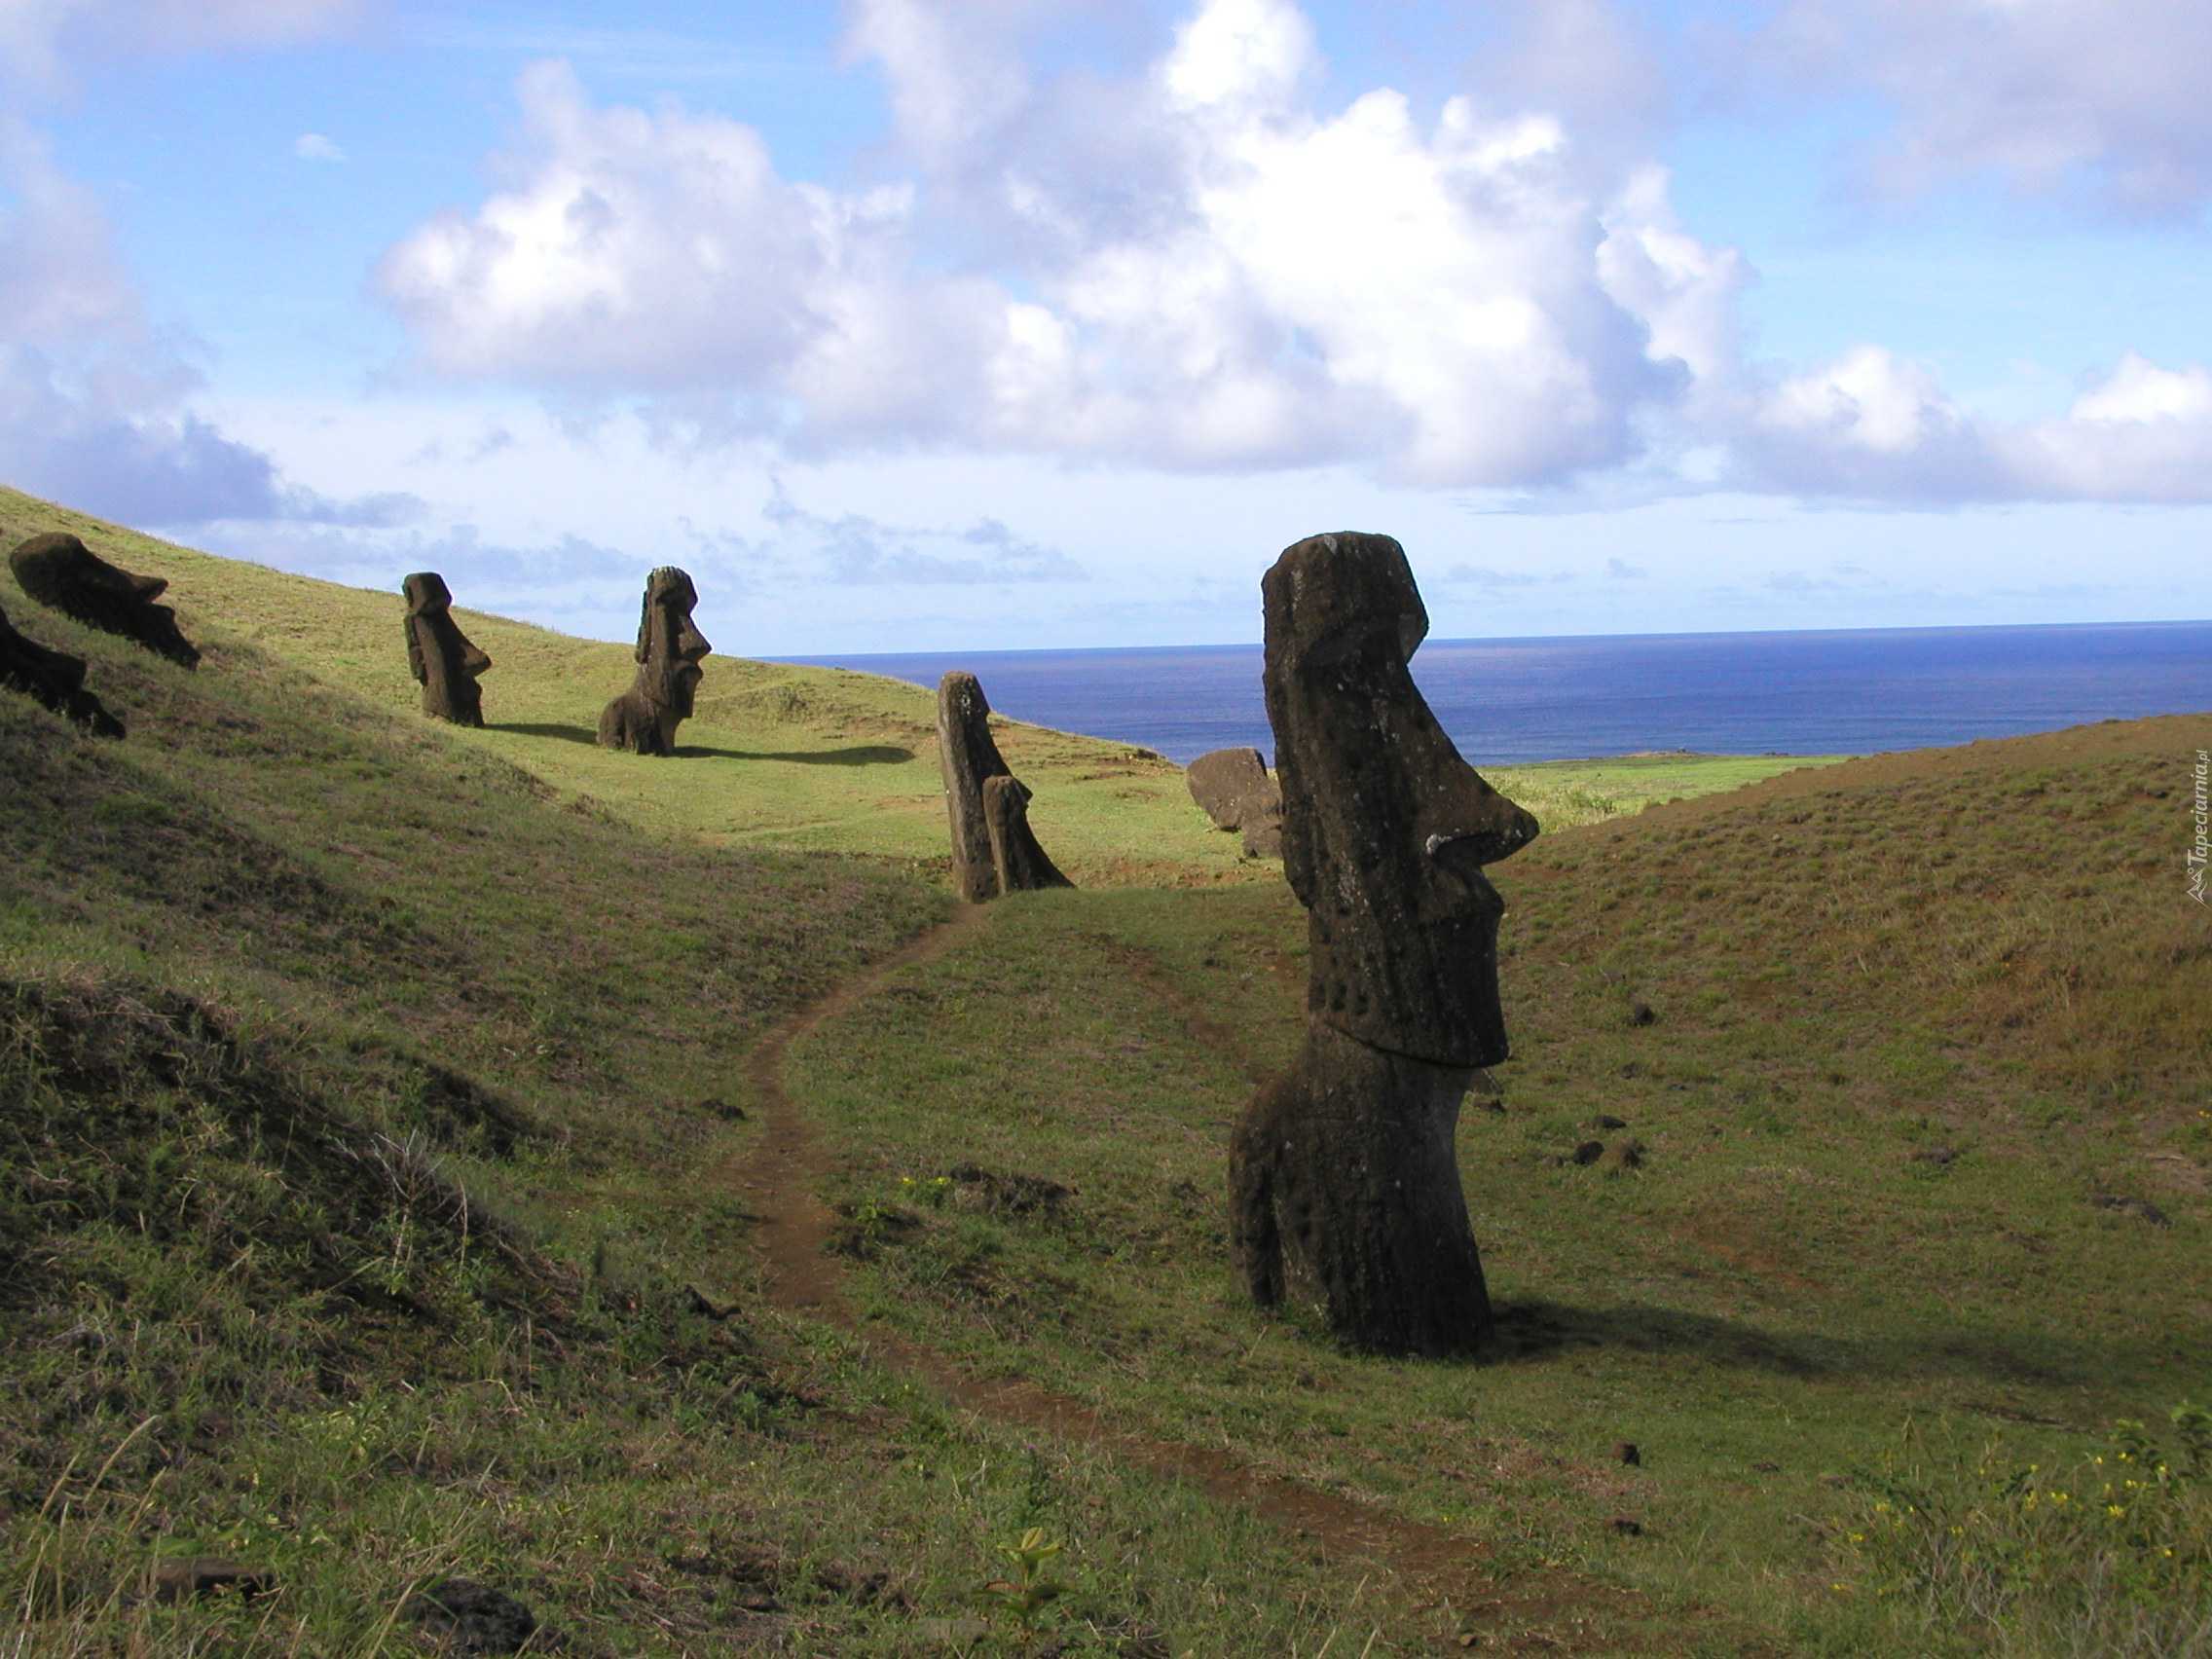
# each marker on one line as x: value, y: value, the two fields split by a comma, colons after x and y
x: 853, y: 550
x: 315, y: 147
x: 2053, y: 95
x: 1205, y: 266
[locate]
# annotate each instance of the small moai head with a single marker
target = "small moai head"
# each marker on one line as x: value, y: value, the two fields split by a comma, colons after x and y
x: 1386, y: 828
x: 440, y: 656
x: 61, y: 571
x: 670, y: 646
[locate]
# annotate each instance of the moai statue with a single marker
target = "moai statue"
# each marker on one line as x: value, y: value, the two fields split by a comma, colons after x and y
x: 993, y: 849
x: 439, y: 654
x: 62, y: 571
x: 55, y: 679
x: 644, y: 717
x: 1344, y: 1181
x: 1233, y: 788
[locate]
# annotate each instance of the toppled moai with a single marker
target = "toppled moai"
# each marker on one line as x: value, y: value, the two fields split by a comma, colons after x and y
x: 1344, y: 1181
x: 1232, y: 786
x: 994, y: 851
x: 55, y: 679
x: 61, y: 571
x: 670, y: 647
x: 440, y: 656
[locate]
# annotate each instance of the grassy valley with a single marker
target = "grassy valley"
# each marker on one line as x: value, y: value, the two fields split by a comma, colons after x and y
x: 392, y: 1188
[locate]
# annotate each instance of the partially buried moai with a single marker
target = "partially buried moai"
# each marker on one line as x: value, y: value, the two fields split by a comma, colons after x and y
x: 61, y: 571
x: 670, y: 647
x: 994, y: 851
x: 1343, y: 1179
x: 440, y: 656
x: 55, y: 679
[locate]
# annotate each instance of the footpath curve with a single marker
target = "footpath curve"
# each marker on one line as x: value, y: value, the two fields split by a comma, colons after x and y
x: 781, y: 1176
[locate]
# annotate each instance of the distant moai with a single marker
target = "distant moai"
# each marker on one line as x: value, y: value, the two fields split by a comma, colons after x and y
x: 670, y: 647
x: 61, y: 571
x: 55, y: 679
x: 1233, y: 788
x: 440, y: 656
x: 994, y: 851
x: 1344, y: 1181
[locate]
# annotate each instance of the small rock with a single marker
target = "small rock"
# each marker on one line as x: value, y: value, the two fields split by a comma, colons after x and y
x: 1623, y: 1155
x: 1624, y: 1450
x: 189, y: 1580
x: 1628, y: 1528
x: 1607, y: 1121
x: 723, y: 1108
x: 1766, y: 1468
x: 1641, y: 1012
x: 471, y: 1618
x: 1939, y: 1155
x: 1589, y: 1152
x: 699, y: 1301
x: 2140, y: 1207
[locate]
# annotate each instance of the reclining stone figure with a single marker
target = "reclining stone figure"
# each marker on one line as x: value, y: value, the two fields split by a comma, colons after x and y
x: 1233, y: 788
x: 61, y: 571
x: 994, y: 851
x: 440, y: 656
x: 670, y: 647
x: 55, y: 679
x: 1343, y: 1180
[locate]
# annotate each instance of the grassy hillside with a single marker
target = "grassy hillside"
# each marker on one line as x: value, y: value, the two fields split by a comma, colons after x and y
x: 384, y: 1159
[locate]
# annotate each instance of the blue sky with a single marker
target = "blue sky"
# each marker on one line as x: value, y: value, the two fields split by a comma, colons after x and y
x: 989, y: 324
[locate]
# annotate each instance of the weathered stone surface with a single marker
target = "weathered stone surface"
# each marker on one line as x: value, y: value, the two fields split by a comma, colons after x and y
x: 191, y: 1577
x: 670, y: 649
x: 1344, y: 1181
x: 440, y: 656
x: 61, y: 571
x: 55, y: 679
x: 1263, y: 828
x: 1228, y: 784
x: 469, y: 1617
x: 993, y: 849
x: 1019, y: 863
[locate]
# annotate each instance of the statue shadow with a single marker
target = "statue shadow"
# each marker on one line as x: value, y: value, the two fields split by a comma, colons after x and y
x: 565, y: 733
x: 1534, y: 1331
x: 862, y: 755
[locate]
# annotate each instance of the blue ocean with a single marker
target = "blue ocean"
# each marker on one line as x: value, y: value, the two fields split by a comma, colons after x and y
x: 1506, y: 701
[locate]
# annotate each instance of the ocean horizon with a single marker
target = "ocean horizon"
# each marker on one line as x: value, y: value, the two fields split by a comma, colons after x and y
x: 1514, y: 701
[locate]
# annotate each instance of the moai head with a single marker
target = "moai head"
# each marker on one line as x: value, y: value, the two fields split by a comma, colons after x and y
x: 669, y: 647
x: 55, y: 679
x: 62, y: 571
x: 440, y: 656
x: 1386, y: 830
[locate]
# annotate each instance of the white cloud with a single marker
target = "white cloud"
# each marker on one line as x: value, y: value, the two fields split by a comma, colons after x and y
x: 40, y: 40
x: 2105, y: 95
x: 315, y: 147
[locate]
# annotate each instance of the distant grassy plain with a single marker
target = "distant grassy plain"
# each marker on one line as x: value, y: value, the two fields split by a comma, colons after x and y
x: 362, y: 1085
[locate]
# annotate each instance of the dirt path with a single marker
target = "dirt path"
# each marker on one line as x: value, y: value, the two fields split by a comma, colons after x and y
x: 781, y: 1178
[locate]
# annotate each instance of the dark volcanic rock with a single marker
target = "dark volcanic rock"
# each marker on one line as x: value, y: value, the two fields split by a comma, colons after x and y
x: 191, y: 1578
x: 670, y: 647
x: 61, y: 571
x: 1342, y: 1176
x: 440, y: 656
x: 471, y: 1618
x: 994, y: 851
x: 1227, y: 783
x: 55, y: 679
x: 2141, y: 1208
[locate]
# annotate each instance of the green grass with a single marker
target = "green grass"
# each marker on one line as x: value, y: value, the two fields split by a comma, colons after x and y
x: 372, y: 1094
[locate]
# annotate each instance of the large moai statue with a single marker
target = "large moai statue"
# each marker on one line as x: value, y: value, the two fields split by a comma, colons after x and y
x: 993, y: 848
x: 1343, y: 1179
x: 644, y: 717
x: 55, y: 679
x: 440, y: 656
x: 62, y: 571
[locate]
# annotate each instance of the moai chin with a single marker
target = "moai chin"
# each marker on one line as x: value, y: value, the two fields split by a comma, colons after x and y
x: 440, y: 656
x: 670, y: 647
x: 61, y: 571
x: 55, y: 679
x: 994, y: 851
x: 1343, y: 1179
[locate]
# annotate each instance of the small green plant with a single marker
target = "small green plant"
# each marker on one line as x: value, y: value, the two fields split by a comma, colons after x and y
x: 933, y: 1190
x: 1028, y: 1595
